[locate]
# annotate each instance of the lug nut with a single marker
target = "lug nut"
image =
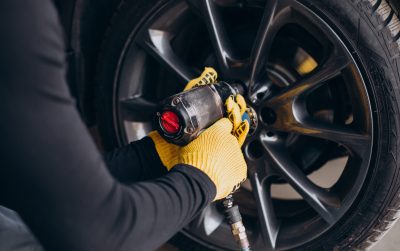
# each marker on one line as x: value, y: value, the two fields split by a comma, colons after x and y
x: 268, y: 116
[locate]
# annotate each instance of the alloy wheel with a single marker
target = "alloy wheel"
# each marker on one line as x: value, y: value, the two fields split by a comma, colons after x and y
x: 303, y: 81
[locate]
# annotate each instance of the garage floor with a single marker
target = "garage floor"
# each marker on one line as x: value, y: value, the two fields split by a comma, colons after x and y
x: 391, y: 241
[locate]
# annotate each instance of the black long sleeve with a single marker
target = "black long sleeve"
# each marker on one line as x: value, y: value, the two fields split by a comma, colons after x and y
x: 137, y: 161
x: 51, y: 172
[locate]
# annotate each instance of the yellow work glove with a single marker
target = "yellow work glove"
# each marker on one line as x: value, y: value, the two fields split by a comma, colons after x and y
x: 168, y: 152
x: 209, y: 76
x: 217, y: 153
x: 236, y: 110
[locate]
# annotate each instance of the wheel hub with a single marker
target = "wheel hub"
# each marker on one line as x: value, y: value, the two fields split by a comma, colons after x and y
x: 253, y: 117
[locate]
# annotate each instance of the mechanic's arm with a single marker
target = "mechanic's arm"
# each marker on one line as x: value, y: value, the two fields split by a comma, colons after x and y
x: 53, y: 176
x: 51, y: 172
x: 138, y: 161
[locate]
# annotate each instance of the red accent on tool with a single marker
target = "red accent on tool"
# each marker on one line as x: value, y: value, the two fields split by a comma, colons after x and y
x: 170, y: 122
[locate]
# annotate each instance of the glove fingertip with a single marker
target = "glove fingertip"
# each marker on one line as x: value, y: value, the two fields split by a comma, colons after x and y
x: 241, y: 103
x: 246, y: 127
x: 229, y: 103
x: 242, y: 131
x: 212, y: 72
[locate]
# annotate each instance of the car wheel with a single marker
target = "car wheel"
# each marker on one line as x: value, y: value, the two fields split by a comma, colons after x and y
x: 323, y: 78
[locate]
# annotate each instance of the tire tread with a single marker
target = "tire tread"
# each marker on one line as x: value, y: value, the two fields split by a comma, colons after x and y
x: 388, y: 215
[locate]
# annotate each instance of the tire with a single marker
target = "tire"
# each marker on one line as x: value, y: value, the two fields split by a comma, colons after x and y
x: 373, y: 31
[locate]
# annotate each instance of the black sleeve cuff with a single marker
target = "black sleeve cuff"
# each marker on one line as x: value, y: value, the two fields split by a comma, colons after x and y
x: 149, y: 158
x: 205, y: 183
x: 135, y: 162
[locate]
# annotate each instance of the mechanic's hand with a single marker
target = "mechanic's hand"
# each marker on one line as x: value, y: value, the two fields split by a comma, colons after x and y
x: 209, y: 76
x: 217, y: 153
x: 236, y: 108
x: 168, y: 152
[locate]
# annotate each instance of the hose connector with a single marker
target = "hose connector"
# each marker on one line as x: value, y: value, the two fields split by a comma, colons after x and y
x: 234, y: 219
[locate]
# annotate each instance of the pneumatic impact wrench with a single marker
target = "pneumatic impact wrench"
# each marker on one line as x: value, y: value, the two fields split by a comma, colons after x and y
x: 182, y: 117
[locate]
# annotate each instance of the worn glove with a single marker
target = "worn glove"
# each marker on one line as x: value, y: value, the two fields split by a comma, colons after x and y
x: 217, y: 153
x: 168, y: 152
x: 235, y: 107
x: 209, y: 76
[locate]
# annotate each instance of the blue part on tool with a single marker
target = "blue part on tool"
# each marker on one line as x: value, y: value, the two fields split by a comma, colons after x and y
x: 246, y: 117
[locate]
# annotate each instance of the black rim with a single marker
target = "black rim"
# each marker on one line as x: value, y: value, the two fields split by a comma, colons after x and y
x: 306, y: 87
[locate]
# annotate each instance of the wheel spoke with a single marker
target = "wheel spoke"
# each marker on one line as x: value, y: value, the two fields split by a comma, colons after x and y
x: 273, y: 19
x: 327, y: 70
x: 224, y: 51
x: 290, y: 105
x: 268, y: 221
x: 325, y: 203
x: 157, y: 43
x: 355, y: 141
x: 137, y: 109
